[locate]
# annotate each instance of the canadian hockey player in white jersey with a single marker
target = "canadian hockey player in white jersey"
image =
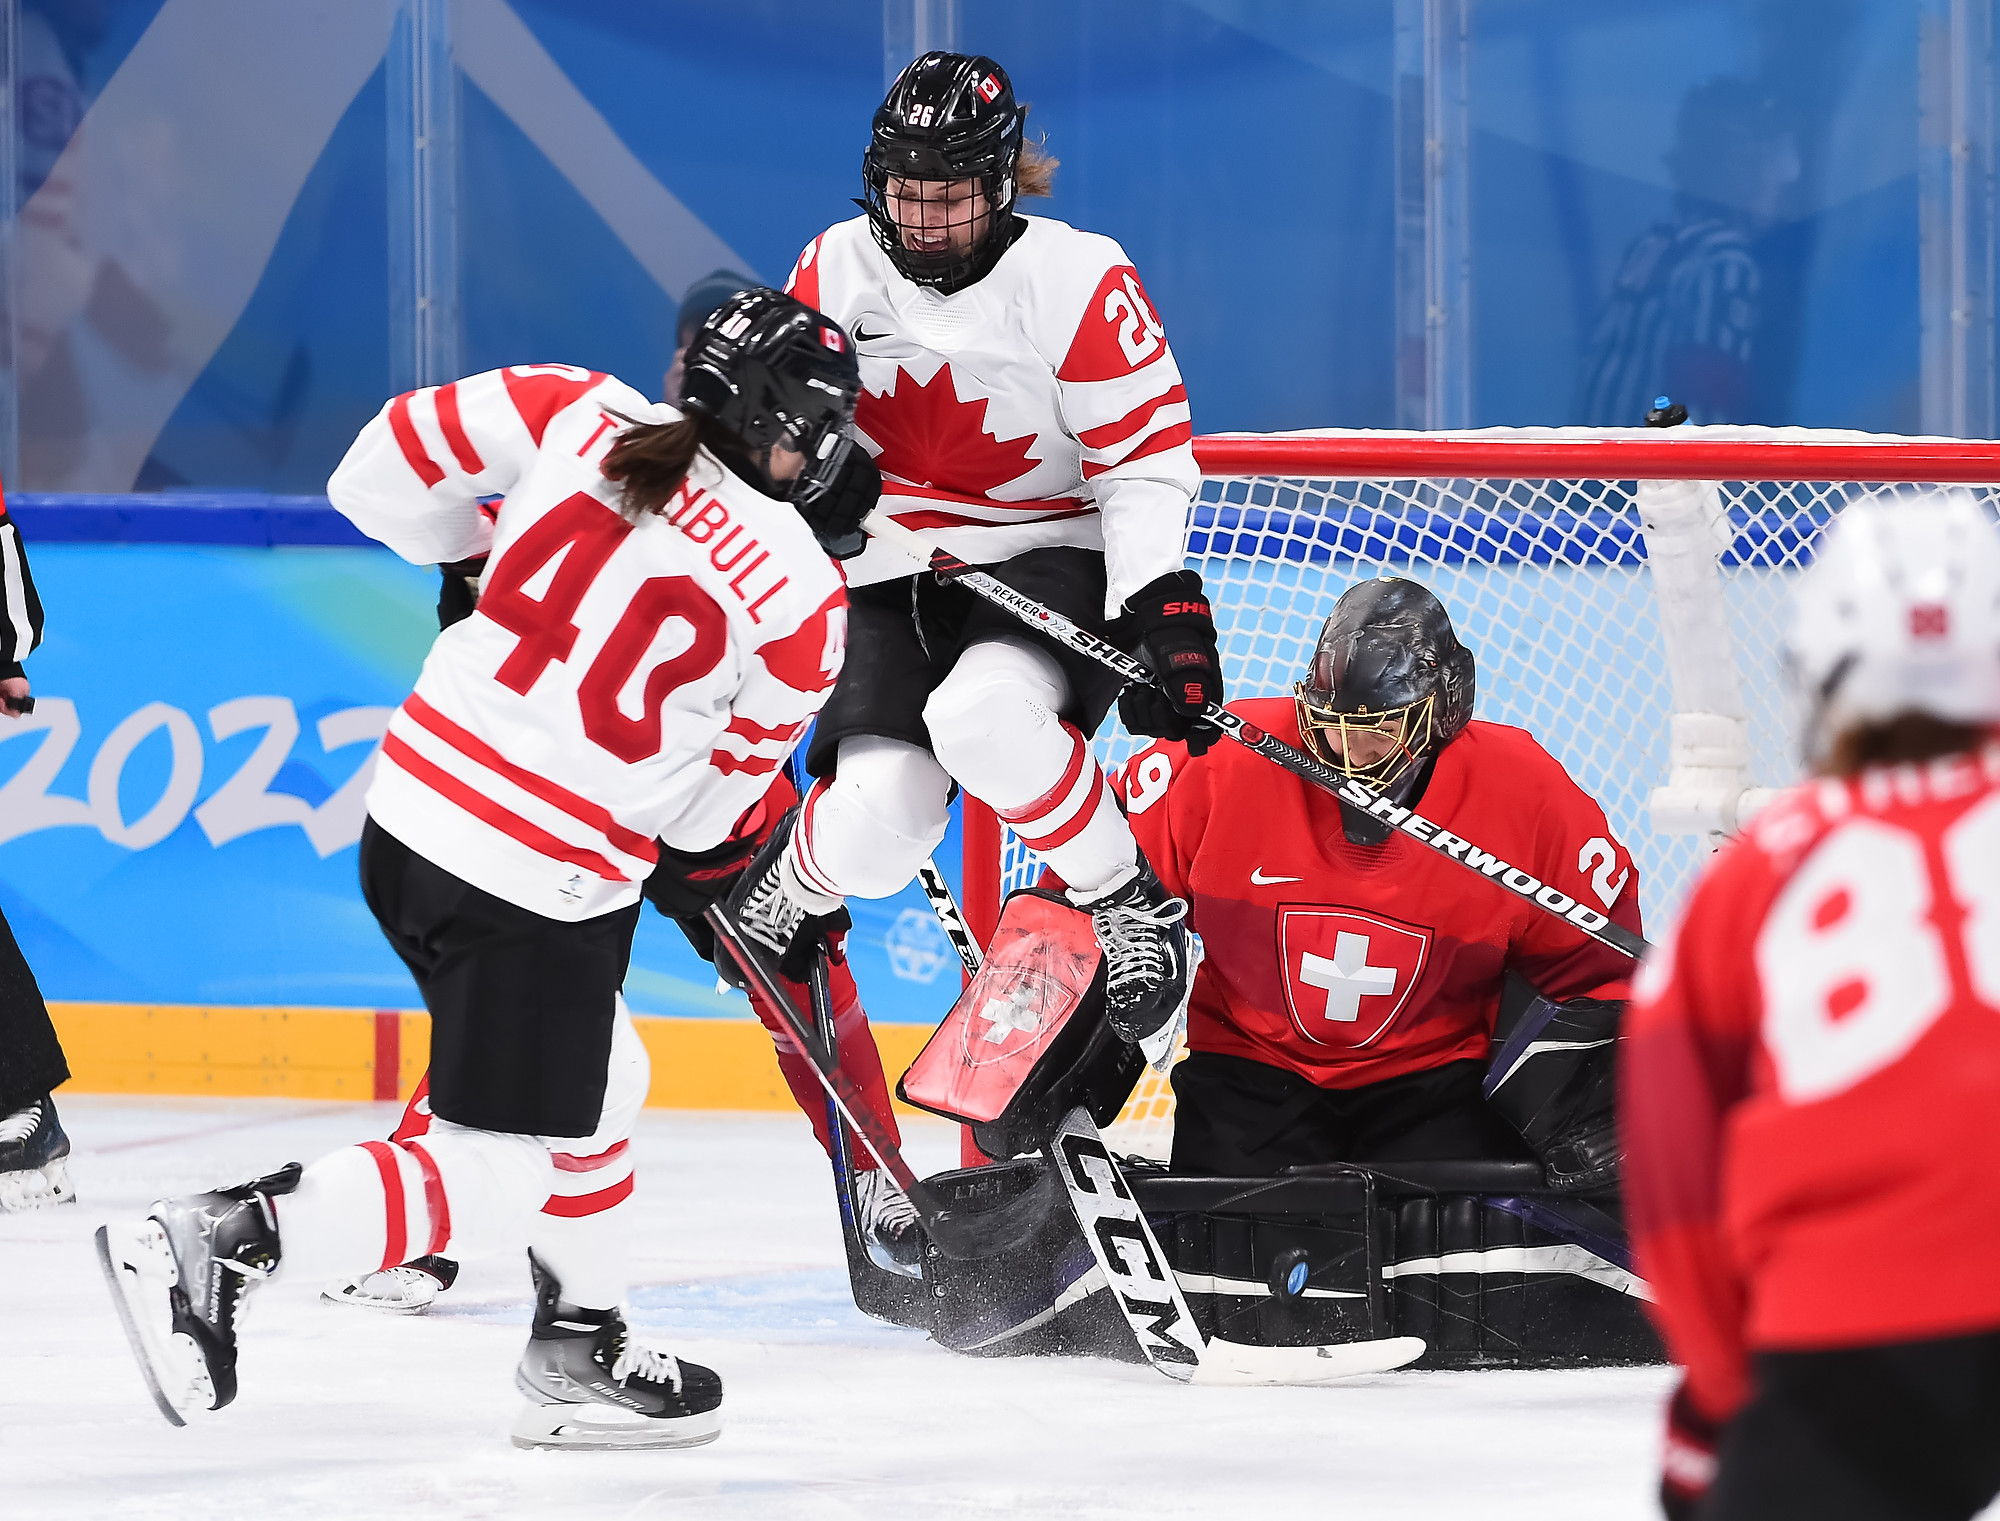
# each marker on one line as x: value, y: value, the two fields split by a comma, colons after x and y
x: 659, y: 623
x: 1022, y: 404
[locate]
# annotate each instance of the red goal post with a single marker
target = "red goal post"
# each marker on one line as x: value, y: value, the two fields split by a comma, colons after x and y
x: 1622, y: 591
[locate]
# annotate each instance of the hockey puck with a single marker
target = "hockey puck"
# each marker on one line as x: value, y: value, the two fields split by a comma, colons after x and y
x: 1289, y: 1272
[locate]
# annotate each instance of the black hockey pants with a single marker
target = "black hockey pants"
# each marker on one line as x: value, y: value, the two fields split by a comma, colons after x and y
x: 1908, y: 1431
x: 31, y: 1058
x: 1236, y: 1118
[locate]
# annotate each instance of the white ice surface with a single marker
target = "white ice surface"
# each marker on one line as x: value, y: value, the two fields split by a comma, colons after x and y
x: 828, y: 1415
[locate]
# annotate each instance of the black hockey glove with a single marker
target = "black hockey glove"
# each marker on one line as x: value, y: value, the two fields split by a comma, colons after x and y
x: 459, y: 594
x: 1555, y: 1080
x: 686, y: 882
x: 1177, y: 639
x: 835, y: 517
x: 781, y: 913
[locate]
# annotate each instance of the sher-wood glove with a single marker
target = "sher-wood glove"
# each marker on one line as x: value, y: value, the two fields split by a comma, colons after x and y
x: 1177, y: 639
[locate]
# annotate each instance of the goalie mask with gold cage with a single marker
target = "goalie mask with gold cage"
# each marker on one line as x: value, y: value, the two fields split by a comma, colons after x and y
x: 1389, y: 685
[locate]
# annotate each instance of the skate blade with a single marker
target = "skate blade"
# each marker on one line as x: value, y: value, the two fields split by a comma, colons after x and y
x: 884, y: 1257
x: 605, y: 1428
x: 36, y: 1188
x: 342, y: 1294
x: 139, y: 1269
x: 1234, y: 1363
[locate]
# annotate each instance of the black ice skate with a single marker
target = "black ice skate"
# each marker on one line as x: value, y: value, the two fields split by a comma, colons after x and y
x: 34, y: 1171
x: 888, y: 1221
x: 178, y: 1278
x: 1148, y: 954
x: 409, y: 1289
x: 589, y: 1385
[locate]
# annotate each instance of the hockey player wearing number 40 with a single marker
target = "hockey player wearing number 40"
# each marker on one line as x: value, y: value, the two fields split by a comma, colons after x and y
x: 1020, y: 400
x: 523, y: 793
x: 1809, y: 1089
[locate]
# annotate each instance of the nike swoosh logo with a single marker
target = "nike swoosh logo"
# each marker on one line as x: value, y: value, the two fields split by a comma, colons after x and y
x: 1259, y: 879
x: 862, y: 335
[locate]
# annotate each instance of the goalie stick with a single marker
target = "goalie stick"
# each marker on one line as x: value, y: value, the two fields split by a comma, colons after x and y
x: 1355, y: 792
x: 1141, y: 1280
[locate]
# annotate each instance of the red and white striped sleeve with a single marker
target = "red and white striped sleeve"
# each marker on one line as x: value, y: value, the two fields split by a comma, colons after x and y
x: 414, y: 477
x: 786, y: 681
x: 1123, y: 398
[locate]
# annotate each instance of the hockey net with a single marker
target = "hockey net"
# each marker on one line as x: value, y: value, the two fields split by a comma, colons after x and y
x: 1623, y: 592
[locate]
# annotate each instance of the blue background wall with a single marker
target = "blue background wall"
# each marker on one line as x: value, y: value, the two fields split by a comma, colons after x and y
x: 1244, y: 152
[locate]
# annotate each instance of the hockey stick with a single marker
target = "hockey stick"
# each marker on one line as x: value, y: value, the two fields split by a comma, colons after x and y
x: 1142, y: 1281
x: 950, y: 918
x: 1351, y: 790
x: 967, y: 1239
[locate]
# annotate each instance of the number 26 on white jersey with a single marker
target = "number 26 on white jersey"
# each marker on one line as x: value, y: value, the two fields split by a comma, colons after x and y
x: 1853, y: 970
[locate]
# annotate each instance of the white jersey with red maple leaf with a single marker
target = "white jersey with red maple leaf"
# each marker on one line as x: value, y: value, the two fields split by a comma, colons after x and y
x: 1040, y: 405
x: 621, y: 682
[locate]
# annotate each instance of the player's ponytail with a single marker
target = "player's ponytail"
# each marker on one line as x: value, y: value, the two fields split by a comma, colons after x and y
x: 1035, y: 173
x: 652, y: 460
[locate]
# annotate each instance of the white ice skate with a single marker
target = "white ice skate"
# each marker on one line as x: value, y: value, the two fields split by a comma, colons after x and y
x: 409, y: 1289
x: 177, y: 1279
x: 589, y: 1385
x: 890, y: 1233
x: 34, y: 1170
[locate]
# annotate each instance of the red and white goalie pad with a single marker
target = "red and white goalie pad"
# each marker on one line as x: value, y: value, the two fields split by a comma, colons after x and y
x: 1027, y: 1040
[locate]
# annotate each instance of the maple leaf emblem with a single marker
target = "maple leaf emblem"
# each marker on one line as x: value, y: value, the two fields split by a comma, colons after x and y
x: 929, y: 437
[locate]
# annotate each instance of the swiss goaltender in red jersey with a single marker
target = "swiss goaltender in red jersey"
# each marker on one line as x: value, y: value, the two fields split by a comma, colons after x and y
x: 1349, y: 963
x: 1040, y: 405
x: 621, y: 682
x: 1810, y: 1084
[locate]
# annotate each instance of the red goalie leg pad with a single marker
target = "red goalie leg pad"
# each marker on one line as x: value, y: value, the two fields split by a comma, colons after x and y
x: 858, y: 1056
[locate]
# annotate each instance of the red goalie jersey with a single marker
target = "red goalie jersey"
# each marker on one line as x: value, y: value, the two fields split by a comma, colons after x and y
x: 621, y: 681
x: 1810, y: 1087
x: 1350, y: 964
x: 1039, y: 406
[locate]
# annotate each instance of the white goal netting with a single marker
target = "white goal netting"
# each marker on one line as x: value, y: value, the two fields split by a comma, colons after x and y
x: 1595, y: 615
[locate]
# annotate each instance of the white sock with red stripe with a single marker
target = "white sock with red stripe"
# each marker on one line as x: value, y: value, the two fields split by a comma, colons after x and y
x: 581, y: 1232
x: 462, y: 1192
x: 993, y: 724
x: 864, y: 832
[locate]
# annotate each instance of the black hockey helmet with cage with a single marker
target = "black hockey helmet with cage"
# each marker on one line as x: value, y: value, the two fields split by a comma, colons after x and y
x: 948, y: 116
x: 1388, y: 666
x: 765, y: 367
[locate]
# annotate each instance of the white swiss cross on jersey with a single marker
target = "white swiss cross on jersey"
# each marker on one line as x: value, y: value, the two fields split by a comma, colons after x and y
x: 1347, y: 974
x: 1040, y: 405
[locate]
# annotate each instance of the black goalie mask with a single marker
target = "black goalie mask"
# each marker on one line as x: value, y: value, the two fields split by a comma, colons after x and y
x: 1389, y: 687
x: 940, y: 169
x: 768, y: 369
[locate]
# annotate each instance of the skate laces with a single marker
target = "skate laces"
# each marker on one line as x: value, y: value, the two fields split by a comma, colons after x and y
x: 769, y: 915
x: 642, y: 1362
x: 1133, y: 938
x: 21, y: 1124
x: 888, y: 1206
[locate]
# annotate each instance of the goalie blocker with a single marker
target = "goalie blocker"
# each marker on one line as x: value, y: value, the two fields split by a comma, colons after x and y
x: 1512, y: 1263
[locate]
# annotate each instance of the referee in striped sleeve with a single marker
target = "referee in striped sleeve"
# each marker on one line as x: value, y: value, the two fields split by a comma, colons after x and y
x: 33, y: 1172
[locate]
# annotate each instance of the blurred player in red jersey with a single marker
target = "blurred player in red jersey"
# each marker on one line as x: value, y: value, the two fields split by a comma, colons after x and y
x: 1811, y: 1084
x: 1021, y: 400
x: 1345, y: 1008
x: 659, y: 622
